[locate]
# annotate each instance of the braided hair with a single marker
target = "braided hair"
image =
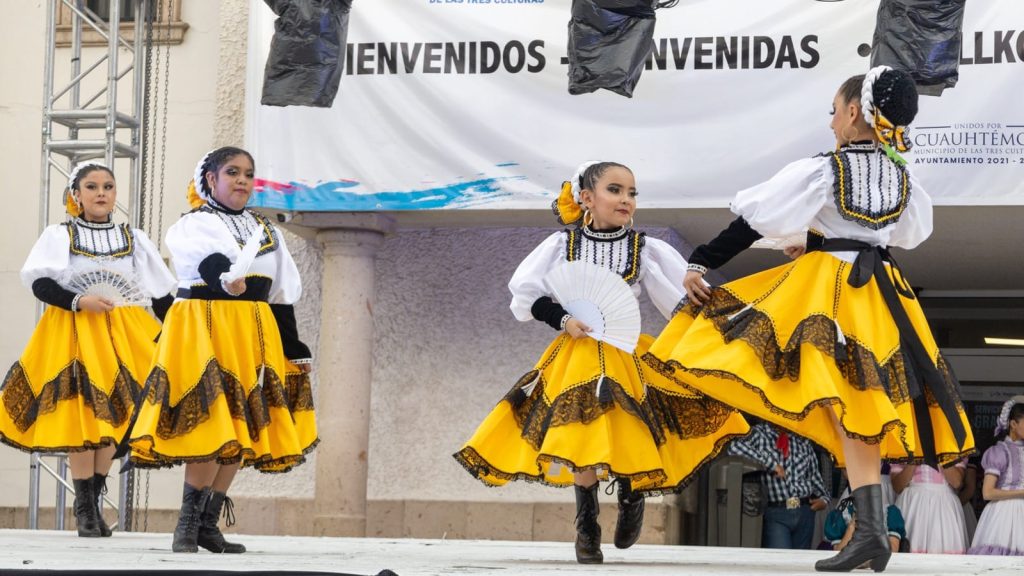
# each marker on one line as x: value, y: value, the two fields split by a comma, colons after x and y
x: 213, y: 162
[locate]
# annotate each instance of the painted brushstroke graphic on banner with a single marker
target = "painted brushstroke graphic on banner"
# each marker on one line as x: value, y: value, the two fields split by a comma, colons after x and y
x: 345, y: 195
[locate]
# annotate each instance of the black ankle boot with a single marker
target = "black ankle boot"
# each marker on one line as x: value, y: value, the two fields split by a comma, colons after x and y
x: 85, y: 509
x: 631, y: 515
x: 186, y: 534
x: 99, y: 487
x: 870, y: 543
x: 210, y: 537
x: 588, y: 531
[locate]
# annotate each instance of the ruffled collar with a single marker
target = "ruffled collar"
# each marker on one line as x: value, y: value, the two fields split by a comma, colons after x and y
x: 604, y: 235
x: 95, y: 225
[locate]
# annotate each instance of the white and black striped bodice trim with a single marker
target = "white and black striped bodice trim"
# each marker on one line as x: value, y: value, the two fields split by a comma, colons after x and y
x: 618, y: 250
x: 100, y: 240
x: 870, y: 189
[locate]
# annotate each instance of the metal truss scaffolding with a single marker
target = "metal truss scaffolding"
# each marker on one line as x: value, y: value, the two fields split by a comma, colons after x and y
x: 90, y: 117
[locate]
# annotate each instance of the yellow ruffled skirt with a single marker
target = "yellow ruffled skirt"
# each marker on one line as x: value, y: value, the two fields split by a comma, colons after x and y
x: 590, y: 406
x: 75, y: 385
x: 221, y: 389
x: 809, y: 351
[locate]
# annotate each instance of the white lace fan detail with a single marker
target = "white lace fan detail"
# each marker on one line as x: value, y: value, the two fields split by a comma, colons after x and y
x: 599, y: 298
x: 99, y: 278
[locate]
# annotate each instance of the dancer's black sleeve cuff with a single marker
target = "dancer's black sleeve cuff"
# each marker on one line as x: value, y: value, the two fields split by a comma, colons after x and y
x: 729, y: 242
x: 211, y: 268
x: 161, y: 305
x: 47, y: 290
x: 294, y: 349
x: 548, y: 311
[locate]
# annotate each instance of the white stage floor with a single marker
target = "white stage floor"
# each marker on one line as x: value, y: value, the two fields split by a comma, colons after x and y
x: 49, y: 550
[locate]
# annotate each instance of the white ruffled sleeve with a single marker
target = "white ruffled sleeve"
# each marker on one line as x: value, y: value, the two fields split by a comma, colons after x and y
x: 527, y: 284
x: 787, y: 203
x: 663, y: 272
x: 287, y: 286
x: 154, y: 276
x: 915, y: 224
x: 194, y: 237
x: 49, y: 257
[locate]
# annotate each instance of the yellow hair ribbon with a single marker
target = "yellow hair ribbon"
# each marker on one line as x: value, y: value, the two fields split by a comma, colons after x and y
x: 566, y: 207
x: 194, y: 199
x: 72, y: 207
x: 892, y: 138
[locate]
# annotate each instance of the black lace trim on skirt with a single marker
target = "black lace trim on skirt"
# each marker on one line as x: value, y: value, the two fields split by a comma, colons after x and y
x: 856, y: 362
x: 25, y: 407
x: 194, y: 408
x: 663, y: 413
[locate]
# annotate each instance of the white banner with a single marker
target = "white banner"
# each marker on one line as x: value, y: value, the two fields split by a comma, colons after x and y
x: 464, y: 104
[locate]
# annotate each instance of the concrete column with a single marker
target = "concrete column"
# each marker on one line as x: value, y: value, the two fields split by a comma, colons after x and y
x: 345, y: 359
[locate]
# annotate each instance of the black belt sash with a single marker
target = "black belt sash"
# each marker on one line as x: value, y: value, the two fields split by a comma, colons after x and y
x: 920, y: 370
x: 257, y: 289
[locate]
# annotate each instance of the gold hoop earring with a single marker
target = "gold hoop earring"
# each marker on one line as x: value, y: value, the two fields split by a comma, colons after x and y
x: 586, y: 215
x: 842, y: 133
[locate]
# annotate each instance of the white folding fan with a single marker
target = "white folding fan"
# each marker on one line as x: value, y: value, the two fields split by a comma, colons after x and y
x: 245, y: 258
x: 600, y: 299
x: 97, y: 278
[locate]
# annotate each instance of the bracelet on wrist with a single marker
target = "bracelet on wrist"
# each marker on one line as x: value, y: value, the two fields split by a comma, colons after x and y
x: 74, y: 302
x: 565, y: 320
x: 697, y: 268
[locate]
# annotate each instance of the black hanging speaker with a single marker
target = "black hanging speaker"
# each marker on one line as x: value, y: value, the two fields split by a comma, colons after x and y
x: 922, y: 38
x: 609, y: 43
x: 307, y: 53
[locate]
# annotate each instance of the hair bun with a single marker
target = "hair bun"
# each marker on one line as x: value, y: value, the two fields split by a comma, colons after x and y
x: 895, y: 96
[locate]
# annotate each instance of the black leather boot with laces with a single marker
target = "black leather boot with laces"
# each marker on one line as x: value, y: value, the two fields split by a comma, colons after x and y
x: 870, y: 542
x: 210, y: 536
x: 186, y: 533
x: 588, y: 531
x: 631, y: 515
x: 86, y: 513
x: 99, y: 486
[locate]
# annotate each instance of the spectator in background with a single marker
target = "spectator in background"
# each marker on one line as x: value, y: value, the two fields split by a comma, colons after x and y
x: 792, y: 479
x: 933, y: 513
x: 1001, y: 527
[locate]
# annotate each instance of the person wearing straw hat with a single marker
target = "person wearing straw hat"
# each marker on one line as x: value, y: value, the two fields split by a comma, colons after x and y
x: 74, y: 387
x: 229, y: 386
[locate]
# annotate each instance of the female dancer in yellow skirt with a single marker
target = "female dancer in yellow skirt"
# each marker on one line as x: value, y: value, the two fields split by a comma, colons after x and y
x: 589, y: 410
x: 75, y: 385
x: 834, y: 345
x: 228, y: 387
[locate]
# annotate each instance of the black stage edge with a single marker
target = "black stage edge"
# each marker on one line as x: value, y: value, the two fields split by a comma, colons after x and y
x: 152, y: 572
